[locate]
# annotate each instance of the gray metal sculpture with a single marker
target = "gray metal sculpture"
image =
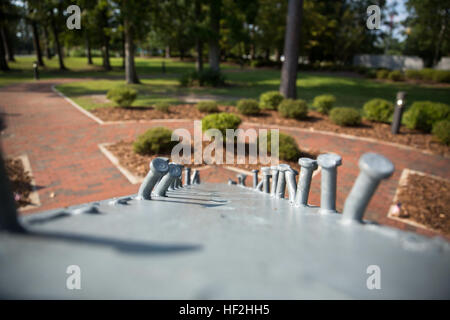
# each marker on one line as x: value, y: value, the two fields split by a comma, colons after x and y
x: 224, y: 241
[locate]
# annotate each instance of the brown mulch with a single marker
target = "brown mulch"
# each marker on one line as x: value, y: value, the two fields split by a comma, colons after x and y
x: 317, y: 121
x: 426, y: 200
x: 139, y: 164
x: 20, y: 182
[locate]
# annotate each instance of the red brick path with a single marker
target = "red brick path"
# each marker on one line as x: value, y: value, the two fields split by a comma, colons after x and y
x: 62, y: 145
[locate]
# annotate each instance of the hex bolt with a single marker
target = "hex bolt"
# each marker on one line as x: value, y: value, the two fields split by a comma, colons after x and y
x: 158, y: 168
x: 374, y: 168
x: 187, y: 176
x: 195, y: 178
x: 281, y: 184
x: 241, y: 179
x: 307, y: 166
x: 290, y: 181
x: 329, y: 163
x: 259, y: 186
x: 274, y: 172
x: 266, y: 179
x: 173, y: 173
x: 255, y: 178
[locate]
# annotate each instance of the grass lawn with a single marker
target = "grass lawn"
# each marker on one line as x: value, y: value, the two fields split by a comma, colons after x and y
x: 246, y: 83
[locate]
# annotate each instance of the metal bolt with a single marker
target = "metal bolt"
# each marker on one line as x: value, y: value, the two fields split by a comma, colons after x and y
x: 173, y: 173
x: 304, y: 181
x: 281, y: 183
x: 241, y: 179
x: 195, y: 178
x: 158, y: 167
x: 266, y: 179
x: 274, y: 171
x: 255, y: 178
x: 187, y: 176
x: 259, y: 186
x: 290, y: 180
x: 329, y: 163
x: 374, y: 168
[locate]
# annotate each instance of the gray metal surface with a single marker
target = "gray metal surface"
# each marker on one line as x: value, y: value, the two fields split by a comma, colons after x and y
x: 216, y: 241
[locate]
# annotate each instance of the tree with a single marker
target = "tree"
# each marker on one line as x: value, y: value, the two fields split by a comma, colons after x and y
x: 428, y: 29
x: 288, y: 85
x: 214, y: 24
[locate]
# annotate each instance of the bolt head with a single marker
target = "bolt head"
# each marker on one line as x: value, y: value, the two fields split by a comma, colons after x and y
x: 329, y: 160
x: 307, y: 163
x: 159, y: 165
x: 376, y: 165
x: 174, y: 170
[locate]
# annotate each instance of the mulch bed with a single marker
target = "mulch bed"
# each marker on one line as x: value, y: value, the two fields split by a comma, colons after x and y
x: 426, y: 200
x: 317, y: 121
x: 139, y: 164
x: 20, y: 182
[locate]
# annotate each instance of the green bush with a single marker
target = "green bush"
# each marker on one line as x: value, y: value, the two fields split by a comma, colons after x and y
x: 427, y: 74
x: 345, y: 116
x: 396, y: 75
x: 441, y: 76
x: 248, y: 106
x: 324, y: 103
x: 270, y: 100
x: 371, y: 73
x: 207, y: 106
x: 378, y: 110
x: 441, y: 130
x: 423, y: 114
x: 206, y: 77
x: 287, y: 150
x: 382, y: 74
x: 122, y: 96
x: 413, y: 74
x: 163, y: 107
x: 295, y: 109
x: 154, y: 141
x: 221, y: 121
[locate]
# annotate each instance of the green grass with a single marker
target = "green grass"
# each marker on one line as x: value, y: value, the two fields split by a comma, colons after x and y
x: 247, y: 83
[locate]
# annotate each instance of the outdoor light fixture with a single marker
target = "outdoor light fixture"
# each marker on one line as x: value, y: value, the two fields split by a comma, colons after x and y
x: 398, y: 112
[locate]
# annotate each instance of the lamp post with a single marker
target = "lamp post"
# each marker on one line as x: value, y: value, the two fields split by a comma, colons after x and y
x: 398, y: 112
x: 36, y: 71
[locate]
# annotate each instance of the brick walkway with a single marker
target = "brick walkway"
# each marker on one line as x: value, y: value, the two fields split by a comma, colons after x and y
x: 62, y: 146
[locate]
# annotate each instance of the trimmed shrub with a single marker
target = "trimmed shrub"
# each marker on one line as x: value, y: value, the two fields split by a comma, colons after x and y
x: 423, y: 114
x: 288, y: 149
x: 248, y: 106
x: 163, y: 107
x: 378, y: 110
x: 295, y: 109
x: 427, y: 74
x: 122, y: 96
x: 396, y: 75
x: 221, y: 121
x: 154, y: 141
x: 413, y: 74
x: 382, y: 74
x: 441, y: 130
x: 324, y: 103
x: 441, y: 76
x: 270, y: 100
x: 345, y: 116
x: 207, y: 106
x: 206, y: 77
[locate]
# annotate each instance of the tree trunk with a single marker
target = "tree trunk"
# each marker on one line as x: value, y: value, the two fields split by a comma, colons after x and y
x: 3, y: 63
x: 37, y: 46
x: 47, y: 43
x: 440, y: 40
x: 9, y: 48
x: 167, y: 52
x: 88, y: 47
x: 130, y: 69
x: 198, y: 40
x: 57, y: 44
x: 214, y: 48
x: 288, y: 85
